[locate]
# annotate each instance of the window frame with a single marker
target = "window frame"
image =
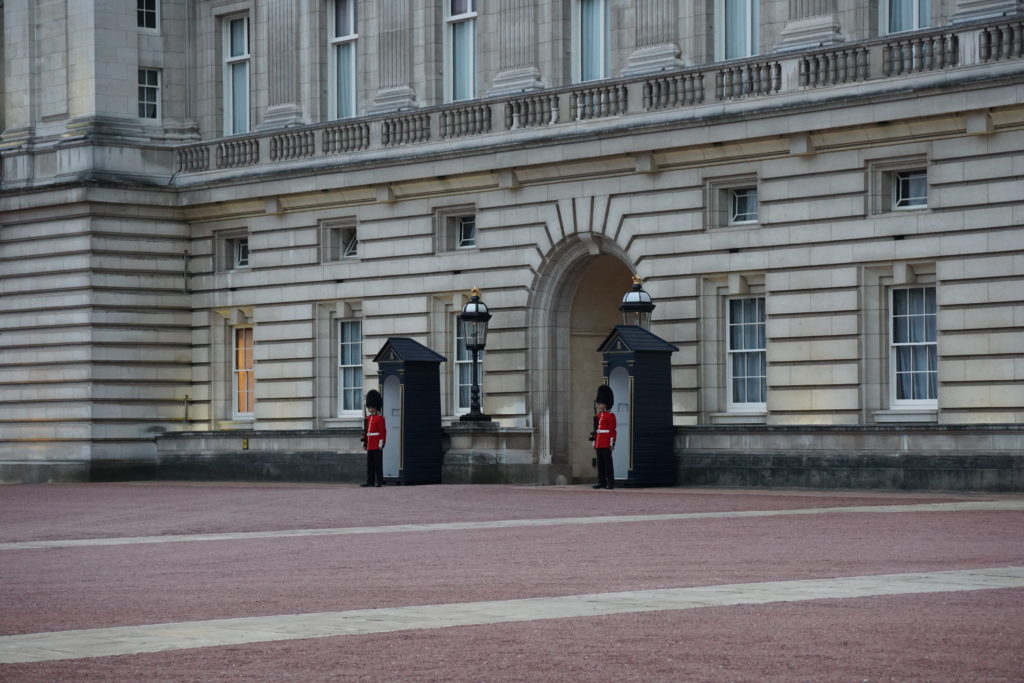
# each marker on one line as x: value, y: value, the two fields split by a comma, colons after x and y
x: 334, y: 245
x: 156, y: 92
x: 236, y: 373
x: 734, y: 216
x: 752, y: 26
x: 155, y: 13
x: 451, y: 61
x: 732, y: 405
x: 335, y: 45
x: 447, y: 221
x: 341, y: 387
x: 230, y: 60
x: 895, y: 402
x: 897, y: 202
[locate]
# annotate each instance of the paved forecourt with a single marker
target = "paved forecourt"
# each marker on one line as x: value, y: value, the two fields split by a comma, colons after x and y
x: 181, y: 581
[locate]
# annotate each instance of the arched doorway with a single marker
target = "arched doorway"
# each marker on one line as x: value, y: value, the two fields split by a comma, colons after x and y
x: 575, y: 304
x: 595, y: 311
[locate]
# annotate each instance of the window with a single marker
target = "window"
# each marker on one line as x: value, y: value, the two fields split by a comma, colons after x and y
x: 149, y: 94
x: 460, y: 57
x: 342, y: 44
x: 732, y: 201
x: 736, y: 28
x: 746, y: 362
x: 146, y: 13
x: 909, y: 189
x: 743, y: 205
x: 238, y: 252
x: 464, y: 370
x: 456, y: 228
x: 236, y: 76
x: 243, y: 374
x: 913, y: 359
x: 905, y: 15
x: 339, y: 241
x: 593, y: 39
x: 350, y: 366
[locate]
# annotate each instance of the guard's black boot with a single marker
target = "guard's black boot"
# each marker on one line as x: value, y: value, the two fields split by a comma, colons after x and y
x: 365, y: 484
x: 597, y: 486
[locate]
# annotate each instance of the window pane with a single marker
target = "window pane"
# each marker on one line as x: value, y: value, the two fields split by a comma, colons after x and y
x: 239, y: 42
x: 343, y: 17
x: 240, y: 97
x: 459, y: 7
x: 346, y: 87
x: 737, y: 27
x: 901, y: 15
x: 591, y: 39
x: 462, y: 59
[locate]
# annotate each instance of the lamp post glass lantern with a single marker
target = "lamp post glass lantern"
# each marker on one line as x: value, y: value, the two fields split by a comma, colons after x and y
x: 473, y: 320
x: 637, y: 306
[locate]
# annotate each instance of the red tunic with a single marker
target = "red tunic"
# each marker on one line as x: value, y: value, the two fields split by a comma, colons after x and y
x: 376, y: 432
x: 605, y: 433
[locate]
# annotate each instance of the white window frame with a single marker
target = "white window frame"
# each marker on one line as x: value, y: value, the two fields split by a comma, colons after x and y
x: 907, y: 203
x: 448, y: 222
x: 355, y: 369
x: 450, y: 62
x: 735, y: 218
x: 339, y: 240
x: 238, y: 257
x: 230, y: 61
x: 237, y: 411
x: 150, y: 89
x: 579, y: 74
x: 731, y: 404
x: 336, y: 45
x: 884, y: 20
x: 155, y: 12
x: 930, y: 403
x: 752, y: 29
x: 459, y: 235
x: 463, y: 358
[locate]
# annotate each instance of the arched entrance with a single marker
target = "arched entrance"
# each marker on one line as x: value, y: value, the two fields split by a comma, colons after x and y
x: 574, y: 307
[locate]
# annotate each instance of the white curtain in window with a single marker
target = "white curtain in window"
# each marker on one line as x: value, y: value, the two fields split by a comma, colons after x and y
x: 344, y: 67
x: 591, y: 39
x: 240, y: 97
x: 463, y: 38
x: 914, y: 337
x: 350, y: 360
x: 741, y: 22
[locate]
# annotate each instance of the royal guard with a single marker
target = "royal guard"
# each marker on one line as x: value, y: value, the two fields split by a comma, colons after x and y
x: 374, y: 435
x: 604, y: 437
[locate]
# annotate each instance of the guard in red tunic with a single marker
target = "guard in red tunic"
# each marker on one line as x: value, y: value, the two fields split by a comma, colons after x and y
x: 604, y: 437
x: 374, y: 435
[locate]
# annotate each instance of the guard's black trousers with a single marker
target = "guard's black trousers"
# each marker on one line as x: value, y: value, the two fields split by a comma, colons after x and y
x: 375, y: 467
x: 605, y: 469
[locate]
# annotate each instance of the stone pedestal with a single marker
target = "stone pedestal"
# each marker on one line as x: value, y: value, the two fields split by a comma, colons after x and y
x: 812, y: 24
x: 283, y: 107
x: 974, y: 10
x: 395, y: 53
x: 517, y: 49
x: 656, y: 48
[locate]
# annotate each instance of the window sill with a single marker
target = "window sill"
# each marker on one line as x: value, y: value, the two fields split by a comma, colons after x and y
x: 739, y: 418
x: 907, y: 415
x: 238, y: 423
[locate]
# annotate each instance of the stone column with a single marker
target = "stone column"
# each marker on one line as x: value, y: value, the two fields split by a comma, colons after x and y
x: 656, y: 29
x: 283, y: 46
x: 812, y: 23
x: 395, y: 54
x: 517, y: 48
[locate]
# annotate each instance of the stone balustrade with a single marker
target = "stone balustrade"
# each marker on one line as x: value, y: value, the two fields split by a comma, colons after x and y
x: 888, y: 57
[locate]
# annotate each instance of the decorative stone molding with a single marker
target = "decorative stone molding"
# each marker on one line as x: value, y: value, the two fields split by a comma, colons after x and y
x: 395, y: 54
x: 973, y: 10
x: 656, y: 48
x: 812, y: 23
x: 517, y: 31
x: 283, y: 108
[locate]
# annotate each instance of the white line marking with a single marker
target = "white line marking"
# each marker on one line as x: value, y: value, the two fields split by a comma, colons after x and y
x: 128, y: 640
x: 990, y: 505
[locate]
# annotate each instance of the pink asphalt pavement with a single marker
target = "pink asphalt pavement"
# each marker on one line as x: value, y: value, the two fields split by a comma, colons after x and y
x: 977, y: 635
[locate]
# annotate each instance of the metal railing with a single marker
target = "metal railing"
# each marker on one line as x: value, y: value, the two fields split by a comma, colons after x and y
x: 888, y: 57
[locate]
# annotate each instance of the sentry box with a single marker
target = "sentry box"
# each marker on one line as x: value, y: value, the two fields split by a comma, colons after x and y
x: 637, y: 366
x: 410, y: 381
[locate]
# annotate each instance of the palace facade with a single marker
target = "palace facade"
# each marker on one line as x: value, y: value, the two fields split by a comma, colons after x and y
x: 214, y: 213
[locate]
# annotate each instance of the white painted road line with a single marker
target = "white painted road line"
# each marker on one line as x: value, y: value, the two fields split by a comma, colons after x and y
x: 128, y: 640
x: 965, y: 506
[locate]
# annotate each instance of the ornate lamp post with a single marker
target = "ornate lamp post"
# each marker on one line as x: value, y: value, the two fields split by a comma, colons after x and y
x: 637, y: 306
x: 473, y: 321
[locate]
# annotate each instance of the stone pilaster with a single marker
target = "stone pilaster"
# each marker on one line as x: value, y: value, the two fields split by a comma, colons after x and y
x: 283, y: 107
x: 517, y: 48
x: 812, y: 23
x: 395, y: 53
x: 656, y: 48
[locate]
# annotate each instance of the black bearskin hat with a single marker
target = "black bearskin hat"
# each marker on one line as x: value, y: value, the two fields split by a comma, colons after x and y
x: 605, y: 395
x: 374, y: 400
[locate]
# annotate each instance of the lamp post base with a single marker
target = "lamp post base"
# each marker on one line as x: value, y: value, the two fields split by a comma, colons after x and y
x: 475, y: 417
